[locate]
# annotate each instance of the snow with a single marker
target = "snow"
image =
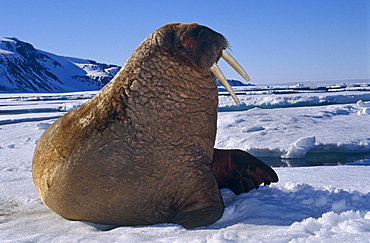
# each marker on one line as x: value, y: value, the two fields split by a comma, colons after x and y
x: 308, y: 204
x: 299, y: 125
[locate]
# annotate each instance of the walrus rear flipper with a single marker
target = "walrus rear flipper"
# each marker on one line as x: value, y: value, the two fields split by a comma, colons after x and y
x: 240, y: 171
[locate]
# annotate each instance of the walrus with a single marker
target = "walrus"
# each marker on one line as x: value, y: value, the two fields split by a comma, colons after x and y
x: 141, y: 151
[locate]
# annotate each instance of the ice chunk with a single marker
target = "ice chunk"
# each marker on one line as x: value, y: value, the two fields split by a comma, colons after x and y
x: 255, y: 129
x: 300, y: 148
x: 12, y: 145
x: 366, y: 111
x: 360, y: 103
x: 306, y: 142
x: 42, y: 125
x: 70, y: 106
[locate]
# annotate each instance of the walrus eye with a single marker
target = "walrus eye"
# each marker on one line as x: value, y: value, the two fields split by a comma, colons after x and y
x: 180, y: 47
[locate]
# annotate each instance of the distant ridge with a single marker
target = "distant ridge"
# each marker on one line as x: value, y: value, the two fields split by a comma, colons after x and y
x: 234, y: 82
x: 26, y: 69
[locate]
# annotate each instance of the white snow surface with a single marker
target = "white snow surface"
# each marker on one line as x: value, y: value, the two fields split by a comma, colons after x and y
x: 308, y: 204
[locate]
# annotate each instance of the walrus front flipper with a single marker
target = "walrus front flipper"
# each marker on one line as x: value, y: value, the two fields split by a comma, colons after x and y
x: 240, y: 171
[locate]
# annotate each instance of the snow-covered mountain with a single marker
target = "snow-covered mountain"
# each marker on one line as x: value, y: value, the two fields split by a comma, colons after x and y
x: 234, y: 82
x: 26, y: 69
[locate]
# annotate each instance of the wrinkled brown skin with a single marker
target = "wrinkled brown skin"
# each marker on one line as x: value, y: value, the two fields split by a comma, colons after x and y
x: 140, y: 152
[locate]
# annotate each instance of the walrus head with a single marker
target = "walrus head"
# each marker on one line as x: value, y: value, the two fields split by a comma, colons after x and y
x: 198, y: 46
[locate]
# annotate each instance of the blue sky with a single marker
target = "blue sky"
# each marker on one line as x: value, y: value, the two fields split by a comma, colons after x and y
x: 275, y: 40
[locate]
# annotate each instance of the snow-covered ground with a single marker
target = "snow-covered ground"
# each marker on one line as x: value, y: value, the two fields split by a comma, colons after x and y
x: 283, y: 127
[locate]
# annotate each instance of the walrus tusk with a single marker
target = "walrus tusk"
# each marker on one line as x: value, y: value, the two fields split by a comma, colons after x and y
x: 220, y: 76
x: 234, y: 64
